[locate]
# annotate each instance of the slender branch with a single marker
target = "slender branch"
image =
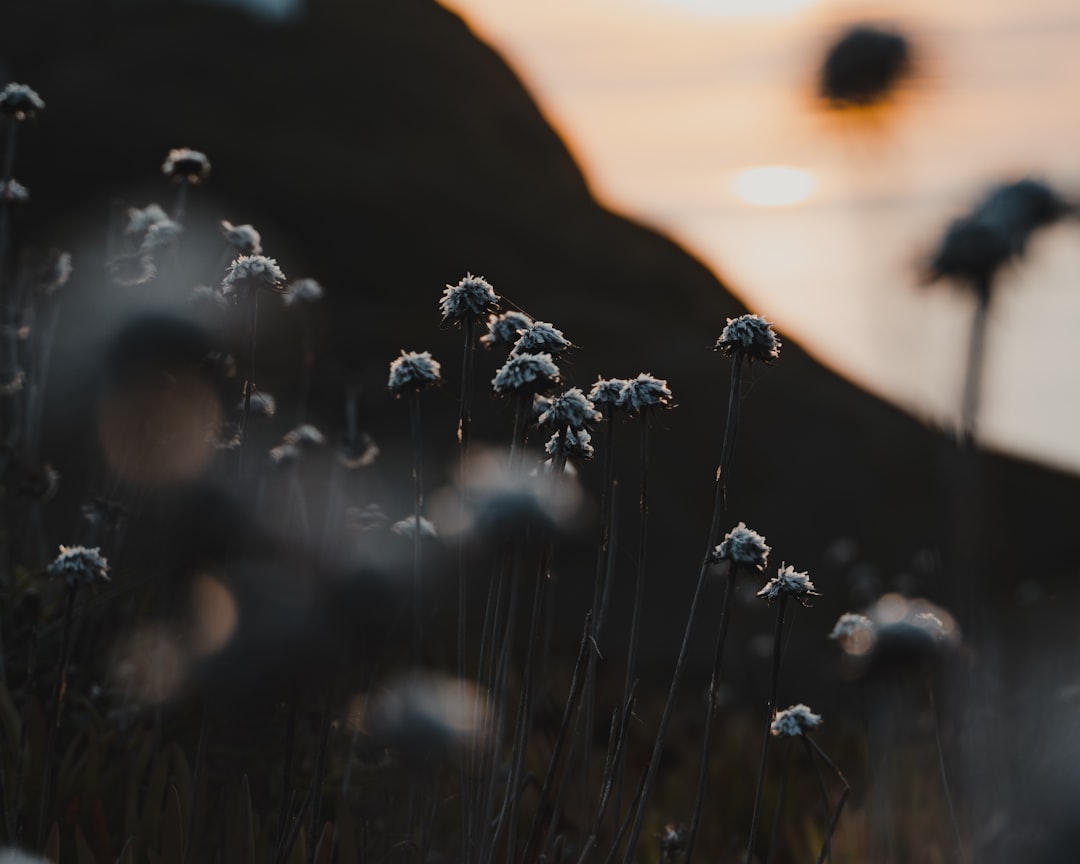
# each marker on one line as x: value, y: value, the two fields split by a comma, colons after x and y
x: 941, y: 769
x: 976, y: 353
x: 54, y: 715
x: 843, y: 795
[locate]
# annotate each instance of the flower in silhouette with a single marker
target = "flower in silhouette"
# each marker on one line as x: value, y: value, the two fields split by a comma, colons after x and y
x: 472, y: 297
x: 79, y: 566
x: 243, y: 238
x: 541, y: 338
x: 864, y: 66
x: 742, y: 545
x: 794, y: 721
x: 749, y: 336
x: 526, y: 373
x: 20, y: 101
x: 252, y: 272
x: 414, y: 371
x: 505, y: 329
x: 788, y: 582
x: 645, y: 392
x: 184, y: 165
x: 569, y: 409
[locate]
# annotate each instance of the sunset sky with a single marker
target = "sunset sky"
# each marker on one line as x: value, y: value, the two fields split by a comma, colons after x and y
x: 667, y: 104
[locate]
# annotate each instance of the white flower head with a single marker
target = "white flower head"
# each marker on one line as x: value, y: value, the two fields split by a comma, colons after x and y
x: 303, y: 291
x: 472, y: 298
x: 20, y: 101
x: 541, y: 338
x: 14, y: 192
x: 794, y: 721
x: 139, y: 221
x: 56, y: 273
x: 305, y: 435
x: 253, y: 272
x: 79, y: 566
x: 854, y: 632
x: 261, y: 403
x: 742, y: 545
x: 184, y: 165
x: 749, y: 336
x: 243, y: 238
x: 645, y: 392
x: 160, y: 235
x: 128, y: 270
x: 789, y: 582
x: 570, y: 409
x: 609, y: 391
x: 505, y: 329
x: 414, y: 371
x: 526, y: 373
x: 572, y: 443
x: 407, y: 527
x: 283, y: 454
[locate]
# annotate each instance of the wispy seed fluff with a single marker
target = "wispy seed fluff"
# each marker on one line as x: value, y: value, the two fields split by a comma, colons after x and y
x: 742, y: 545
x: 570, y: 409
x: 526, y: 373
x: 749, y: 336
x: 541, y: 337
x: 243, y: 238
x: 644, y: 392
x: 472, y: 298
x: 414, y: 371
x: 186, y: 165
x: 505, y: 329
x: 20, y: 101
x: 79, y: 566
x: 253, y: 272
x: 303, y: 291
x: 572, y: 443
x: 789, y: 582
x: 794, y: 721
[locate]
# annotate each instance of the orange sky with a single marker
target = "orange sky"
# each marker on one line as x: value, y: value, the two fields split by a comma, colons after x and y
x: 663, y: 104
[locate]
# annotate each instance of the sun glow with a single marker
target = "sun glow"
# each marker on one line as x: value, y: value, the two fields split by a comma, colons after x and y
x: 773, y: 185
x: 739, y: 8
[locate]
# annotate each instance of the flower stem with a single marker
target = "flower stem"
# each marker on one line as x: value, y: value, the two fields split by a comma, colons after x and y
x: 54, y: 715
x: 976, y: 353
x: 730, y: 427
x: 249, y: 385
x: 418, y: 503
x: 941, y: 769
x: 831, y: 829
x: 826, y: 847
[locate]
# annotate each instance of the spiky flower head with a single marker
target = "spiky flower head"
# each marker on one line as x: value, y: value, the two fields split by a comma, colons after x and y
x: 742, y: 545
x: 570, y: 409
x: 303, y: 291
x: 794, y: 721
x: 80, y: 566
x: 472, y: 298
x: 184, y: 165
x: 505, y: 329
x: 305, y: 435
x: 864, y: 66
x: 608, y: 391
x: 749, y: 336
x: 645, y: 392
x: 252, y: 272
x: 788, y: 582
x: 243, y: 238
x: 572, y: 443
x: 407, y: 527
x: 20, y: 101
x: 414, y: 371
x: 526, y: 373
x: 14, y: 192
x: 541, y: 338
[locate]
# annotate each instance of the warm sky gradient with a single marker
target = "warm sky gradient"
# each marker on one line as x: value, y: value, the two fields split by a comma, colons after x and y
x: 664, y: 102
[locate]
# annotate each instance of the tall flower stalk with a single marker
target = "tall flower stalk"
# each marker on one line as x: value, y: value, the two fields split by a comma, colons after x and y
x: 184, y: 167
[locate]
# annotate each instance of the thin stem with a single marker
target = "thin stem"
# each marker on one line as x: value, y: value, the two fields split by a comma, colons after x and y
x: 54, y: 716
x: 843, y: 795
x: 779, y: 811
x: 249, y: 385
x: 826, y: 845
x: 730, y: 427
x: 777, y: 640
x: 286, y: 768
x: 196, y: 781
x: 5, y: 202
x: 976, y: 353
x: 941, y: 769
x: 523, y: 402
x: 320, y: 767
x: 418, y: 538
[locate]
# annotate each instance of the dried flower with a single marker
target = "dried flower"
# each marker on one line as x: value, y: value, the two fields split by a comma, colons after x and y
x: 253, y: 272
x: 284, y: 454
x: 526, y: 373
x: 569, y: 409
x: 14, y: 192
x: 79, y: 566
x: 243, y: 238
x: 673, y: 842
x: 609, y: 391
x: 128, y: 270
x: 56, y: 272
x: 864, y: 66
x: 407, y: 527
x: 206, y: 295
x: 184, y: 165
x: 160, y: 235
x: 741, y: 545
x: 139, y: 221
x: 794, y: 721
x: 20, y: 101
x: 414, y: 371
x: 261, y: 403
x: 359, y: 453
x: 541, y: 338
x: 645, y: 392
x: 749, y: 336
x: 850, y: 623
x: 505, y: 329
x: 303, y: 291
x: 572, y: 443
x: 305, y: 435
x: 472, y: 297
x: 789, y: 582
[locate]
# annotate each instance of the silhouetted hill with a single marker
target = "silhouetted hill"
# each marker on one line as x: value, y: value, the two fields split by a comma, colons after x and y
x: 383, y: 149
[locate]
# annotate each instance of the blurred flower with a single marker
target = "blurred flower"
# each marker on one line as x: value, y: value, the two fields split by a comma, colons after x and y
x: 14, y: 384
x: 79, y: 566
x: 505, y: 329
x: 139, y: 221
x: 205, y: 295
x: 358, y: 453
x: 305, y: 435
x: 854, y: 632
x: 253, y: 272
x: 128, y: 270
x: 541, y: 337
x: 673, y: 842
x: 261, y: 403
x: 20, y: 101
x: 643, y: 392
x: 526, y: 373
x: 749, y: 336
x: 364, y: 519
x: 794, y: 721
x: 186, y: 165
x: 159, y: 235
x: 14, y: 192
x: 303, y: 291
x: 609, y: 391
x: 741, y: 545
x: 569, y: 409
x: 472, y: 297
x: 864, y: 66
x: 789, y: 582
x: 407, y: 527
x: 414, y: 371
x: 573, y: 443
x: 56, y: 272
x: 283, y: 454
x: 15, y: 856
x: 243, y: 238
x: 910, y: 631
